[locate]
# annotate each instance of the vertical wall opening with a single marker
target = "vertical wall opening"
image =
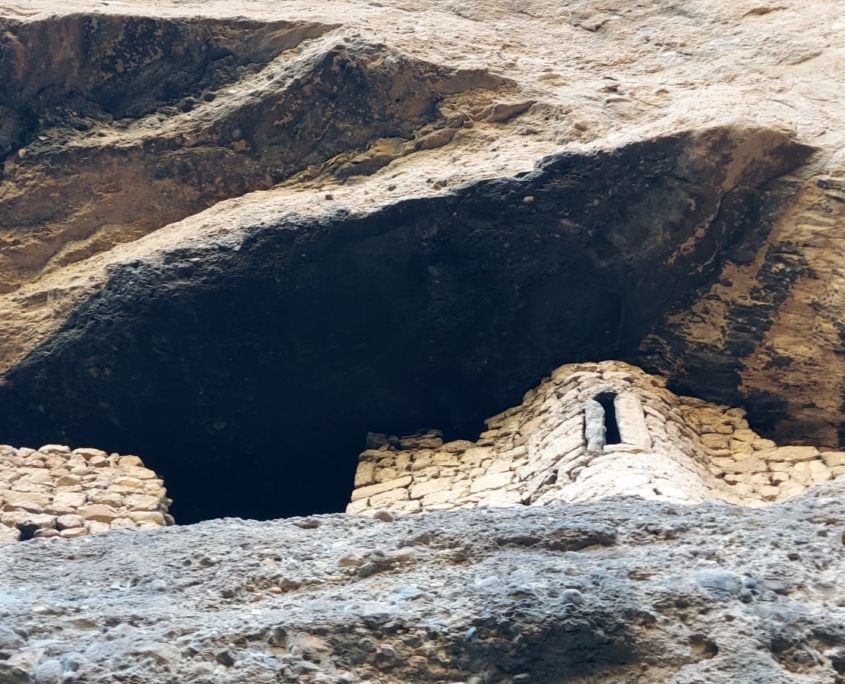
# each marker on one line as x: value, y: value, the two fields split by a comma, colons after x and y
x: 611, y: 426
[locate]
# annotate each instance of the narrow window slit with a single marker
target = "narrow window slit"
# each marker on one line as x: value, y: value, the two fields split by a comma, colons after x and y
x: 611, y: 426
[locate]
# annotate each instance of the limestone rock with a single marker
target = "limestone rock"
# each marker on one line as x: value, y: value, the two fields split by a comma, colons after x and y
x: 512, y: 206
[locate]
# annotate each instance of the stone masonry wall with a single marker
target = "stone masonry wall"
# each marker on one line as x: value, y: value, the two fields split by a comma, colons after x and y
x: 553, y: 448
x: 58, y: 492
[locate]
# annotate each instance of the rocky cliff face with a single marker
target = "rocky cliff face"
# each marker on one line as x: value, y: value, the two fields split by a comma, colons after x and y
x: 619, y: 591
x: 236, y: 237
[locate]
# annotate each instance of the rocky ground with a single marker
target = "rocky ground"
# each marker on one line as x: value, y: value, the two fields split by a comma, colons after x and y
x: 621, y: 590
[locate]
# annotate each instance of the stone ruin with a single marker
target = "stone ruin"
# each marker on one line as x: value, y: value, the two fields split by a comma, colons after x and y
x: 589, y: 431
x: 58, y: 492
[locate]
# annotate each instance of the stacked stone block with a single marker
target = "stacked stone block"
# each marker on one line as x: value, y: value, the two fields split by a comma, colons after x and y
x: 58, y: 492
x: 553, y: 448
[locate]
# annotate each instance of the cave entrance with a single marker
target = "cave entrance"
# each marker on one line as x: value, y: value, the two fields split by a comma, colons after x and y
x: 247, y: 370
x: 612, y: 434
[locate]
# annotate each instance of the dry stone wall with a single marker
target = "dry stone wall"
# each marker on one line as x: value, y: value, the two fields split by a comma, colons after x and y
x: 58, y: 492
x: 589, y: 431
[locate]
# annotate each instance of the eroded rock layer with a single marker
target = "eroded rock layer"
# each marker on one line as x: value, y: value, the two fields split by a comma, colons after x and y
x: 650, y: 182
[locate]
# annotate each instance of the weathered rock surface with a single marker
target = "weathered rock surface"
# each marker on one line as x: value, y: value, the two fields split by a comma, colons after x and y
x: 234, y: 237
x: 621, y: 590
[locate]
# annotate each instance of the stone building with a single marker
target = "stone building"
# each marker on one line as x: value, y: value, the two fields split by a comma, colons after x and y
x: 589, y: 431
x: 58, y: 492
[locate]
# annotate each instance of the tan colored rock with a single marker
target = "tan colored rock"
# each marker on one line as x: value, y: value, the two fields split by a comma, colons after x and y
x: 810, y: 472
x: 19, y: 518
x: 70, y: 521
x: 107, y: 498
x: 493, y: 481
x: 738, y: 448
x: 792, y: 454
x: 833, y: 459
x: 8, y: 534
x: 385, y: 474
x: 98, y: 513
x: 28, y: 501
x: 715, y: 441
x: 142, y: 502
x: 147, y: 516
x: 438, y: 497
x: 37, y: 475
x: 748, y: 465
x: 357, y: 506
x: 389, y: 499
x: 745, y: 435
x: 457, y: 446
x: 364, y: 475
x: 421, y: 489
x: 97, y: 526
x: 69, y: 500
x: 88, y: 454
x: 46, y: 533
x: 130, y: 461
x: 791, y: 488
x: 55, y: 449
x: 138, y: 472
x: 365, y: 492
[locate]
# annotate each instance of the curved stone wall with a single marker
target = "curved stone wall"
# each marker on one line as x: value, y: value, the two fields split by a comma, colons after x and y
x: 555, y: 447
x: 58, y: 492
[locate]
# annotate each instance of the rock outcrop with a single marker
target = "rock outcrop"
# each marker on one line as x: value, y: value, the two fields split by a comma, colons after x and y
x: 412, y: 313
x: 237, y: 236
